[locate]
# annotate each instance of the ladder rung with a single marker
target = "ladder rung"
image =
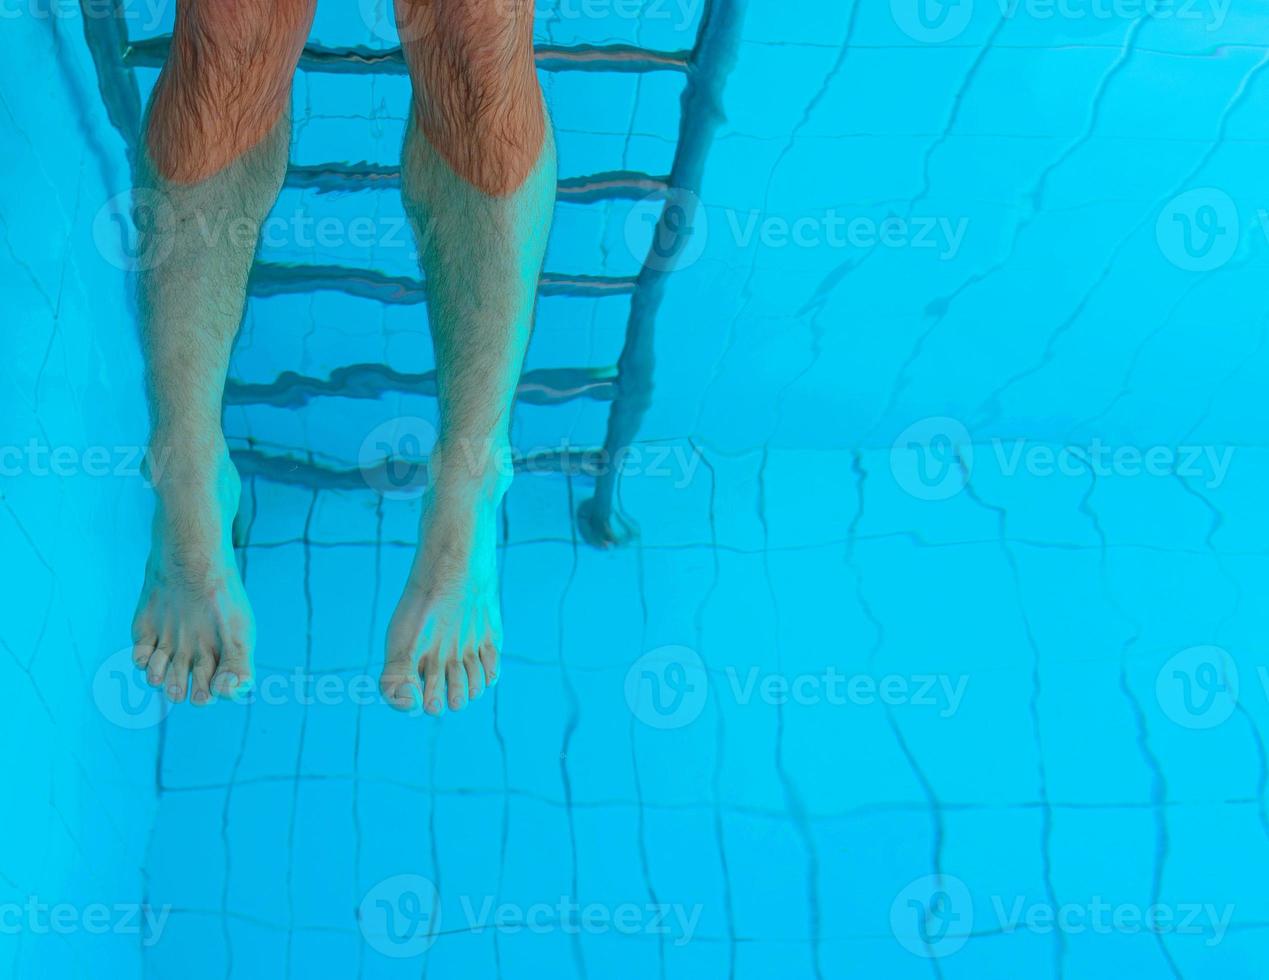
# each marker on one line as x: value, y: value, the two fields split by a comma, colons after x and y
x: 542, y: 386
x: 307, y: 472
x: 277, y: 279
x: 614, y: 185
x: 152, y: 52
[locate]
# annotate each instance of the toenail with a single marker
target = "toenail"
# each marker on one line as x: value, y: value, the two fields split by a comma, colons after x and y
x: 174, y: 692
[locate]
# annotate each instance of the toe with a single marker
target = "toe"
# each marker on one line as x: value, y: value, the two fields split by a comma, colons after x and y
x: 475, y: 675
x: 145, y: 636
x: 204, y: 667
x: 433, y: 683
x: 456, y: 682
x: 399, y: 682
x: 142, y: 650
x: 156, y: 667
x: 491, y: 660
x: 233, y: 674
x: 400, y: 692
x: 177, y: 678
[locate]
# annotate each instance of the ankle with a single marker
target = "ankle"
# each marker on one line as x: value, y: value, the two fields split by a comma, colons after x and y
x: 479, y: 468
x: 175, y: 464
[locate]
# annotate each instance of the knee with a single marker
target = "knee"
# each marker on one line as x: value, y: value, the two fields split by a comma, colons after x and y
x: 476, y: 91
x: 478, y: 25
x: 474, y: 43
x: 224, y: 38
x: 226, y: 82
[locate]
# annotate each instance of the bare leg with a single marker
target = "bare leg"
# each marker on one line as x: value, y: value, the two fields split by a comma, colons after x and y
x: 479, y: 182
x: 215, y: 153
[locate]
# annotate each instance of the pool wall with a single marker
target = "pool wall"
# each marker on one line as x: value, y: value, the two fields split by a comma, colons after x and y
x: 79, y: 788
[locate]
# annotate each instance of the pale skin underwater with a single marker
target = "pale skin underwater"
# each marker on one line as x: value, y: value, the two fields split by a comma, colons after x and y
x: 478, y: 183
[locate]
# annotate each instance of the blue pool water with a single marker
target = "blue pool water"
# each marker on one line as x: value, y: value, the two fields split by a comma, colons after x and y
x: 933, y: 643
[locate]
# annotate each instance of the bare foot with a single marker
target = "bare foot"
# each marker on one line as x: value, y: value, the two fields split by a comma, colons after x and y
x: 446, y: 634
x: 193, y: 619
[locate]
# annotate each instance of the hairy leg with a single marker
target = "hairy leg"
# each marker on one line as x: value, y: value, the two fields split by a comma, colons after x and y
x: 478, y: 179
x: 214, y: 155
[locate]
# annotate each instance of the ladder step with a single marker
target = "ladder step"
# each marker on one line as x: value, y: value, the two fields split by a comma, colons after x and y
x: 613, y: 185
x: 277, y: 279
x: 304, y: 471
x: 628, y: 58
x: 543, y: 386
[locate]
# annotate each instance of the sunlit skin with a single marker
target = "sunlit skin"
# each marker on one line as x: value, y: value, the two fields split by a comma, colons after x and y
x: 479, y: 179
